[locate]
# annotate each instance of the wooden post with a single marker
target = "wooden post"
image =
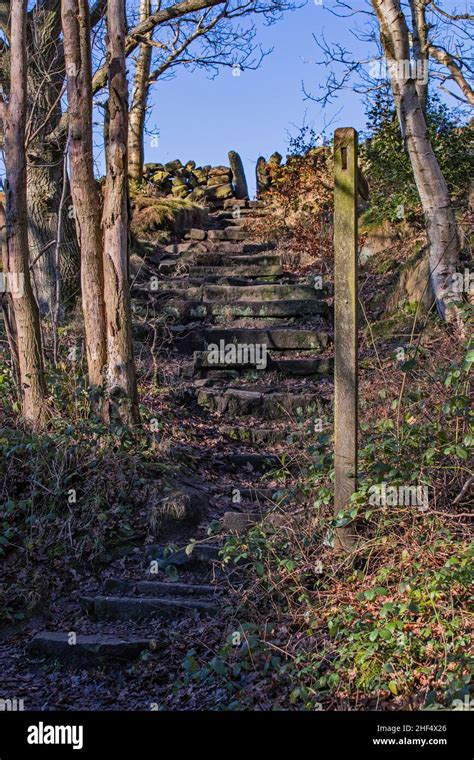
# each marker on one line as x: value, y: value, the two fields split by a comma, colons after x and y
x: 345, y: 319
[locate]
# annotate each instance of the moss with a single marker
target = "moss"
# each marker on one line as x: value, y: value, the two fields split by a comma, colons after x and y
x: 151, y: 214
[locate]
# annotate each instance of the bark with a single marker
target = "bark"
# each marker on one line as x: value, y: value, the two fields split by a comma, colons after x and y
x: 30, y: 359
x: 45, y: 159
x: 84, y: 189
x: 138, y: 106
x: 7, y: 301
x: 432, y: 188
x: 419, y: 37
x: 443, y: 57
x: 120, y: 375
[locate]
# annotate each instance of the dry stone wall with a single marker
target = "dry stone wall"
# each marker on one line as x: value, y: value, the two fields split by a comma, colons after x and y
x: 200, y: 184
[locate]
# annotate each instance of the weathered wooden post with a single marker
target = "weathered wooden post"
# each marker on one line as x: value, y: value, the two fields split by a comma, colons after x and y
x: 345, y: 321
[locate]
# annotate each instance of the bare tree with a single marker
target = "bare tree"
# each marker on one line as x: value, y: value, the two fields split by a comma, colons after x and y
x: 139, y: 101
x: 28, y: 336
x: 120, y: 374
x: 84, y: 188
x: 432, y: 188
x: 406, y: 50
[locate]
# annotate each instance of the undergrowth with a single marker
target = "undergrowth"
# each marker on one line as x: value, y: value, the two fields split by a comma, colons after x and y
x: 386, y: 626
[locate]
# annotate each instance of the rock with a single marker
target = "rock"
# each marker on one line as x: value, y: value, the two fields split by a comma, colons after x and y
x: 150, y: 168
x: 261, y: 175
x: 172, y: 166
x: 179, y: 191
x: 196, y: 234
x: 190, y: 165
x: 157, y: 588
x: 256, y: 435
x: 238, y: 175
x: 218, y: 179
x: 161, y: 177
x: 271, y: 406
x: 141, y: 608
x: 57, y: 644
x: 236, y: 203
x: 219, y: 170
x: 202, y: 553
x: 197, y: 194
x: 201, y: 176
x: 219, y: 192
x: 227, y: 234
x: 239, y: 522
x: 231, y: 293
x: 376, y: 241
x: 184, y: 505
x: 414, y: 285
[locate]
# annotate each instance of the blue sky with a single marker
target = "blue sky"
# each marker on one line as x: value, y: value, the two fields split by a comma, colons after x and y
x: 202, y: 119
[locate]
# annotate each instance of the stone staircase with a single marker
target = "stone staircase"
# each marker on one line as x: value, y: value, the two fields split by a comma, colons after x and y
x: 250, y: 346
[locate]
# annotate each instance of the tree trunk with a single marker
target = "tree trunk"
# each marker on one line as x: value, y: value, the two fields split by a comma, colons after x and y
x: 6, y: 299
x: 139, y: 104
x: 420, y: 53
x: 33, y: 389
x: 84, y: 188
x: 45, y: 159
x: 432, y: 188
x: 121, y: 382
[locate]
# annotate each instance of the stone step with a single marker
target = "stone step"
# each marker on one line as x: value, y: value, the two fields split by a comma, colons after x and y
x: 227, y: 234
x: 227, y: 259
x: 57, y: 644
x: 236, y: 271
x: 275, y: 338
x: 176, y: 262
x: 157, y: 588
x: 256, y: 435
x: 241, y: 216
x: 248, y: 462
x: 271, y: 292
x: 237, y: 203
x: 186, y: 289
x: 140, y: 608
x: 216, y: 246
x: 303, y: 366
x: 235, y: 402
x: 299, y: 367
x: 192, y: 310
x: 189, y: 339
x: 239, y: 522
x: 202, y: 554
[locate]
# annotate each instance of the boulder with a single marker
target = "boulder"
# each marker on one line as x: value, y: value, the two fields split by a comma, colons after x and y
x: 219, y: 192
x: 213, y: 170
x: 218, y: 179
x: 197, y: 194
x: 262, y: 178
x: 238, y: 175
x: 172, y: 166
x: 161, y: 176
x: 413, y: 286
x: 200, y: 175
